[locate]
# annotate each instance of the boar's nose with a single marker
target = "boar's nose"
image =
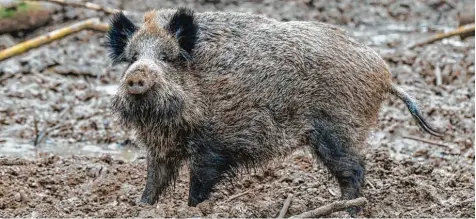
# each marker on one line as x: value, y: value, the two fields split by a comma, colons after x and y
x: 137, y: 83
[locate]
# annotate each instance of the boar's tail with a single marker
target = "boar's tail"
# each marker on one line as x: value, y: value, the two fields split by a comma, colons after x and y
x: 414, y: 110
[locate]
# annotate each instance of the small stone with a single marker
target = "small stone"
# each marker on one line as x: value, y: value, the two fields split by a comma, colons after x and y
x: 95, y: 170
x: 468, y: 143
x: 106, y: 158
x: 17, y: 197
x: 298, y: 181
x: 311, y: 190
x: 34, y: 214
x: 33, y: 185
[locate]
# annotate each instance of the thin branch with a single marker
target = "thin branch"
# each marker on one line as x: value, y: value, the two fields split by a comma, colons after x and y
x: 284, y: 210
x: 47, y: 131
x: 36, y: 141
x: 20, y: 48
x: 332, y: 207
x: 370, y: 183
x: 239, y: 195
x: 426, y: 141
x: 6, y: 77
x: 332, y: 192
x: 87, y: 5
x: 439, y: 80
x: 468, y: 28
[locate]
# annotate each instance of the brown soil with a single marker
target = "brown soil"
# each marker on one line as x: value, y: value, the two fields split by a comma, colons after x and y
x: 103, y: 187
x: 58, y: 95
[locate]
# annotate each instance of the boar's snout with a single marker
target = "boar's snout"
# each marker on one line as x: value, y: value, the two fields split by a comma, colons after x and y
x: 137, y: 83
x: 138, y: 79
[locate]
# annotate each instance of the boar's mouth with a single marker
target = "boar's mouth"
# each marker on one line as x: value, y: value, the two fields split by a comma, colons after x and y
x: 149, y: 110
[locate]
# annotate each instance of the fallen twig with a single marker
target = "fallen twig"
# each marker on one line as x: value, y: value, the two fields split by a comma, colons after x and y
x: 468, y: 28
x: 332, y: 207
x: 239, y: 195
x: 20, y: 48
x: 87, y: 5
x: 332, y: 192
x: 48, y: 130
x: 286, y: 204
x: 426, y: 141
x: 37, y: 131
x: 439, y: 80
x: 11, y: 162
x: 370, y: 183
x: 6, y: 77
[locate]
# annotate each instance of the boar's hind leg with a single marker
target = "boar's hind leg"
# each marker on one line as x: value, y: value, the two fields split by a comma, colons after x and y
x: 160, y: 173
x: 334, y: 149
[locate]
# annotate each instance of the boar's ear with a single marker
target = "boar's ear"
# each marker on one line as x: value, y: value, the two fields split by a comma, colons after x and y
x: 182, y: 25
x: 117, y: 37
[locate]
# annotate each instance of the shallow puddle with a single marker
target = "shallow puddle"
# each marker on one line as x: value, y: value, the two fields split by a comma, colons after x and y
x: 13, y: 148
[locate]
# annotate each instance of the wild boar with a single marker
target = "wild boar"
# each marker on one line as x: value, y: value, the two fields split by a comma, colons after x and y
x: 230, y: 91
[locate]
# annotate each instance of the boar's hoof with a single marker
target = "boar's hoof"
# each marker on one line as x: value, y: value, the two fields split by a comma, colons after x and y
x: 355, y: 211
x: 147, y: 198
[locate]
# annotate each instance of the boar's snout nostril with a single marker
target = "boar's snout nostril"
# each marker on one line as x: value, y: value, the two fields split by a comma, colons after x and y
x: 136, y: 85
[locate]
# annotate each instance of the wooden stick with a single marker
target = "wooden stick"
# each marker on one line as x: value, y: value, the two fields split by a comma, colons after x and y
x: 332, y: 192
x: 468, y: 28
x: 239, y: 195
x: 48, y: 130
x: 37, y: 131
x: 87, y: 5
x: 20, y: 48
x: 370, y: 183
x: 284, y: 210
x: 426, y: 141
x: 439, y: 80
x: 333, y: 207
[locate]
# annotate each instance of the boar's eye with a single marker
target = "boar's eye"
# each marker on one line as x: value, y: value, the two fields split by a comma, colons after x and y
x: 163, y: 58
x: 134, y: 57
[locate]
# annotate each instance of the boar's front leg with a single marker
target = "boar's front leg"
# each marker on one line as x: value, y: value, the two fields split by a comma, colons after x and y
x: 206, y: 170
x: 160, y: 173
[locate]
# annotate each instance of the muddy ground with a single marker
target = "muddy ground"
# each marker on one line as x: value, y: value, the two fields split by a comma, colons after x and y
x: 62, y: 154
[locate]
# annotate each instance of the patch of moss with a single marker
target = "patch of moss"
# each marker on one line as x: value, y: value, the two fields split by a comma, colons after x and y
x: 7, y: 12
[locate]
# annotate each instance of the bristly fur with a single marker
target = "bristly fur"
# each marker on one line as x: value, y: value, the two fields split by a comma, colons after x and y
x: 150, y: 111
x: 182, y: 25
x: 117, y: 37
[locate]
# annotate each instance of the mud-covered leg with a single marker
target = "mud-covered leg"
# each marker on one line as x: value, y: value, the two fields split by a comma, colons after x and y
x: 160, y: 173
x: 206, y: 170
x: 334, y: 149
